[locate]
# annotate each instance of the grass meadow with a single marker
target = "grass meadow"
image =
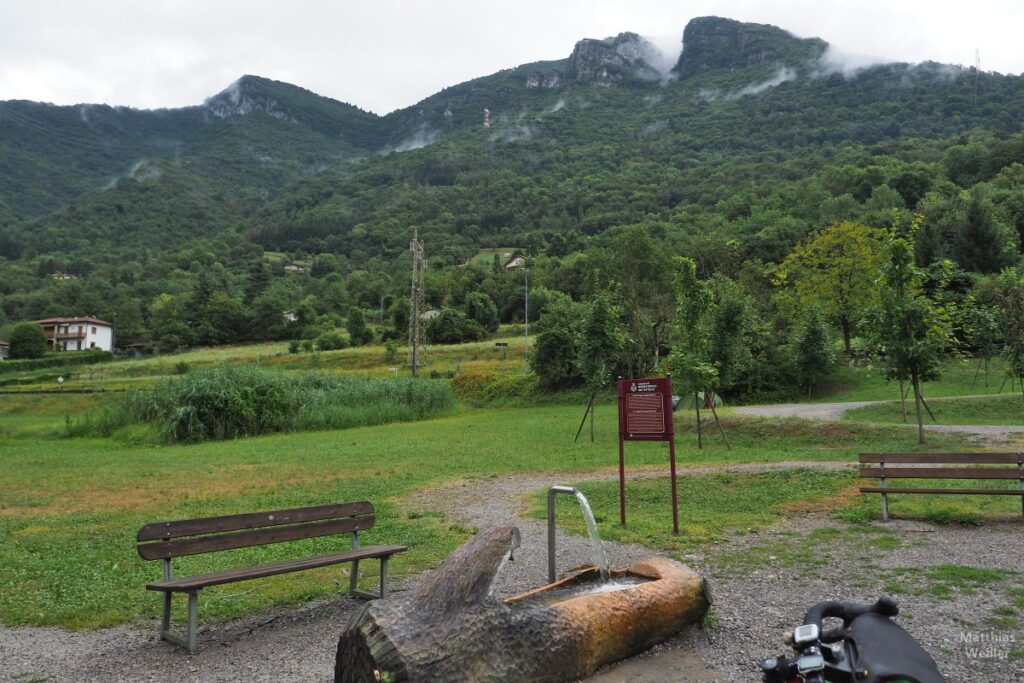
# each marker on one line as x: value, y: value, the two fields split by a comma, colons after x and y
x: 71, y: 501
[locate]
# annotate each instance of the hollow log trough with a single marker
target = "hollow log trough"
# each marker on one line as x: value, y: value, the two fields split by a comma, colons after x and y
x: 450, y: 628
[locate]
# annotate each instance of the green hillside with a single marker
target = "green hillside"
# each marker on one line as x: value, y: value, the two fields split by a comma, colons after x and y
x: 752, y: 142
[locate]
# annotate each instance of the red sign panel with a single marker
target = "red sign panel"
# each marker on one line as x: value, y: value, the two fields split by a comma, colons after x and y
x: 645, y: 409
x: 645, y: 414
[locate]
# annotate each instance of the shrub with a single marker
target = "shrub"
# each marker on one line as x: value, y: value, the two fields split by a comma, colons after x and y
x: 453, y: 327
x: 481, y: 308
x: 331, y: 341
x: 28, y: 340
x: 293, y: 346
x: 489, y: 386
x: 54, y: 360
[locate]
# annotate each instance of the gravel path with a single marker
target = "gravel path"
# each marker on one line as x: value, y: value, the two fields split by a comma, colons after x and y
x: 808, y: 411
x: 759, y: 594
x: 993, y: 435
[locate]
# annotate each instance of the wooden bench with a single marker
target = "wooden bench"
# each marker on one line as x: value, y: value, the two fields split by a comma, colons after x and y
x: 167, y: 540
x: 886, y: 466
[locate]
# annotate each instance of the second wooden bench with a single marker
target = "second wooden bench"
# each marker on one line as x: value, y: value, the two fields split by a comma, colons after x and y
x: 886, y: 466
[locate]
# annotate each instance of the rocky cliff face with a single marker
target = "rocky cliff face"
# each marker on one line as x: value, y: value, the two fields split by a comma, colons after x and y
x: 716, y: 43
x: 244, y: 97
x: 614, y: 60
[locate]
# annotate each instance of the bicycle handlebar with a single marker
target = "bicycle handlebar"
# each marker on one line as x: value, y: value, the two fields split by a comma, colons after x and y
x: 848, y: 611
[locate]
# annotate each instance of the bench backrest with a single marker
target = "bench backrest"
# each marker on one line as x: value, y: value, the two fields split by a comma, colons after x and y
x: 878, y: 465
x: 164, y: 540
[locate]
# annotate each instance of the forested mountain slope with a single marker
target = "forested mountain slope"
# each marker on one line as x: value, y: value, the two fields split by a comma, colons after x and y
x: 748, y: 142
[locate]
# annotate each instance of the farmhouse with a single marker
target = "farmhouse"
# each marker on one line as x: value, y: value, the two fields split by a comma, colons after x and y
x: 5, y: 350
x: 77, y: 334
x: 515, y: 263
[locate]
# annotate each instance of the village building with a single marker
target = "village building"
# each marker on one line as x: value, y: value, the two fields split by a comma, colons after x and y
x: 5, y: 350
x: 516, y: 262
x: 77, y: 334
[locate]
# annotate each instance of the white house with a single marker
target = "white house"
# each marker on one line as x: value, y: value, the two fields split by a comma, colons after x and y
x: 77, y: 334
x: 515, y: 263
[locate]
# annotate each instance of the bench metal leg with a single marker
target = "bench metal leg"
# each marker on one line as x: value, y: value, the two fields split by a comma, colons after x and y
x: 191, y: 641
x: 193, y: 604
x: 353, y: 586
x: 355, y: 592
x: 165, y: 622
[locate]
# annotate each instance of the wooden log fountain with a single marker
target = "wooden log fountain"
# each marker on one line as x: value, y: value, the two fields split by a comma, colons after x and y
x: 451, y: 628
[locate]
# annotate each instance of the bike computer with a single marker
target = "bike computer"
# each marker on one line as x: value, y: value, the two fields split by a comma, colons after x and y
x: 810, y: 663
x: 808, y: 633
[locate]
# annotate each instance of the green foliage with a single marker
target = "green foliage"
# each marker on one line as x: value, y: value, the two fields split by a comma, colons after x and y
x: 331, y: 341
x: 909, y: 332
x: 232, y: 401
x: 60, y: 359
x: 27, y: 341
x: 488, y: 387
x: 358, y: 333
x: 814, y: 359
x: 453, y: 327
x: 1009, y: 299
x: 834, y: 273
x: 481, y: 308
x: 690, y: 361
x: 555, y: 352
x: 195, y: 240
x: 599, y: 343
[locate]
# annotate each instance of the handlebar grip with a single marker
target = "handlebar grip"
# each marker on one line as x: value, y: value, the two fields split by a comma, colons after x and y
x: 847, y: 611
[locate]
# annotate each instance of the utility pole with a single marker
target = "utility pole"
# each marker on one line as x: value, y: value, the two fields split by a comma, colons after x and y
x: 526, y: 317
x: 419, y: 265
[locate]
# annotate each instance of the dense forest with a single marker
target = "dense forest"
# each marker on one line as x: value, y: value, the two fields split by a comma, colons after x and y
x: 757, y: 156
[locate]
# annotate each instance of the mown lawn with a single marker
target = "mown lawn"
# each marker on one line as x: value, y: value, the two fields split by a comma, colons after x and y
x: 868, y: 383
x: 1007, y: 409
x: 69, y: 508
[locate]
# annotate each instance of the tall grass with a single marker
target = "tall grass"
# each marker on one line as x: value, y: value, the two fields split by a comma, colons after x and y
x: 232, y: 401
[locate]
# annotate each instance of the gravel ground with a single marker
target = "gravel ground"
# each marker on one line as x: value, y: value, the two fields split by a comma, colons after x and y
x: 753, y: 606
x: 809, y: 411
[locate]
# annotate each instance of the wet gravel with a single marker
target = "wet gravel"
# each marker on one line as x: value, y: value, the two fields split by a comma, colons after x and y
x: 753, y: 605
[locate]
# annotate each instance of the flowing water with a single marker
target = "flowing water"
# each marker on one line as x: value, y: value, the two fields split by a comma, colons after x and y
x: 600, y: 559
x: 575, y: 590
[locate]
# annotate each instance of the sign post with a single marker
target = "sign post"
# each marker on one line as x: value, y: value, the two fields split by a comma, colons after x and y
x: 645, y: 414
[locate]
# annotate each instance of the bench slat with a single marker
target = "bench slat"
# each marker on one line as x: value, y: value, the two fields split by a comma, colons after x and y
x: 254, y: 520
x: 984, y: 492
x: 161, y: 550
x: 273, y: 568
x: 940, y: 473
x: 939, y: 458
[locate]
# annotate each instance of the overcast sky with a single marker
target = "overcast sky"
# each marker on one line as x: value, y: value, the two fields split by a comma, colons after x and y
x: 385, y: 54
